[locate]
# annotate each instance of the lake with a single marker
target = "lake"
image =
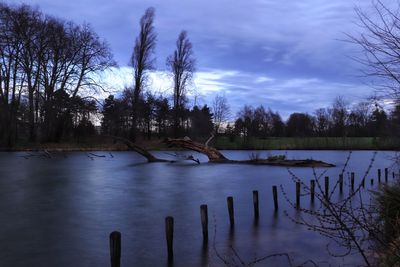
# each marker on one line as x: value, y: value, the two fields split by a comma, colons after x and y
x: 59, y: 211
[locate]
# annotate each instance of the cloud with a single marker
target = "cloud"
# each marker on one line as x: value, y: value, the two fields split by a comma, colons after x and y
x: 286, y: 95
x: 296, y: 33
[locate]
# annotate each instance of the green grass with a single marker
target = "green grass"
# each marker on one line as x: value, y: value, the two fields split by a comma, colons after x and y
x: 312, y: 143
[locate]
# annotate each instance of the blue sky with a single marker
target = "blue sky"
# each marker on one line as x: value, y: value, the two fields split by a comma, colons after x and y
x: 287, y: 55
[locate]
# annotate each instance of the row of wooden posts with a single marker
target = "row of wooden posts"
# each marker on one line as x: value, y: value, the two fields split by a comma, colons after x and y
x: 115, y: 237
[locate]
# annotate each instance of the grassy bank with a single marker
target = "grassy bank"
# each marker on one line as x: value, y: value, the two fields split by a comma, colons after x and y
x: 273, y: 143
x: 311, y: 143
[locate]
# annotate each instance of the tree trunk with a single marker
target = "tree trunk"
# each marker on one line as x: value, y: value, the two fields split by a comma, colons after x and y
x: 150, y: 157
x: 213, y: 154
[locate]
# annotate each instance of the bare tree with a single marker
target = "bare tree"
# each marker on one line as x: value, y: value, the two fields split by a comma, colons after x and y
x: 142, y: 61
x: 380, y: 44
x: 182, y: 66
x: 221, y: 111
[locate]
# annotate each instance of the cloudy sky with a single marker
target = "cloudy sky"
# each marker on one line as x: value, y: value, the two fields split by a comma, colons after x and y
x: 287, y: 55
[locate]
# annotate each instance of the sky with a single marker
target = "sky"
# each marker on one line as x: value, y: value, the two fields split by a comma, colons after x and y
x: 291, y: 56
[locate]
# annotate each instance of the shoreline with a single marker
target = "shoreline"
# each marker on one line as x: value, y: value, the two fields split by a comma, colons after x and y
x: 90, y: 149
x: 223, y: 143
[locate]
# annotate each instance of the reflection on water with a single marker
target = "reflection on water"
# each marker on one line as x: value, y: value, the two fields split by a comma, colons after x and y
x: 60, y: 211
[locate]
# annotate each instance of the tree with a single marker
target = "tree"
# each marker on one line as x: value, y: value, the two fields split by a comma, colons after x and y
x: 395, y: 120
x: 379, y: 122
x: 278, y: 127
x: 299, y: 124
x: 322, y: 122
x: 358, y: 120
x: 379, y: 41
x: 201, y: 121
x: 221, y: 111
x: 142, y: 61
x: 10, y: 73
x: 243, y: 124
x: 182, y: 66
x: 162, y: 112
x: 339, y: 115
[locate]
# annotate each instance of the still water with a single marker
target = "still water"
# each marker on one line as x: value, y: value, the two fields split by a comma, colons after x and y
x: 59, y: 211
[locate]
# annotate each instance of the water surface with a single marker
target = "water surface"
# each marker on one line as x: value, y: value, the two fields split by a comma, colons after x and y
x: 59, y: 211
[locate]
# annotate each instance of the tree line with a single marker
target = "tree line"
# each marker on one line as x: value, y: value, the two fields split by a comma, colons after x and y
x: 156, y: 119
x: 364, y: 119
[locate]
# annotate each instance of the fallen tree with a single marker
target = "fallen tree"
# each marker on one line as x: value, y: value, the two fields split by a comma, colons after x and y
x: 145, y: 153
x: 213, y: 154
x: 216, y: 156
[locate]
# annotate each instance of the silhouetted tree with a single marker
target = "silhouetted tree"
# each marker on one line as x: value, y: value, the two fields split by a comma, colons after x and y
x: 278, y: 126
x: 182, y: 66
x: 162, y: 114
x: 142, y: 61
x: 358, y: 120
x: 322, y: 122
x: 299, y: 124
x: 339, y: 115
x: 379, y: 122
x: 395, y: 121
x: 201, y: 121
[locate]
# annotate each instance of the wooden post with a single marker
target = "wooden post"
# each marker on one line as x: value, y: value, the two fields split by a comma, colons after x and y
x: 275, y: 195
x: 204, y: 221
x: 312, y: 190
x: 326, y: 186
x: 340, y: 183
x: 169, y: 233
x: 230, y: 211
x: 297, y: 195
x: 352, y: 181
x: 115, y: 249
x: 386, y: 175
x: 255, y: 204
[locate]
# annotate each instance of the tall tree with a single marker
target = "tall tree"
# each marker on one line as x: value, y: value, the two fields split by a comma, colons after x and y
x: 142, y: 61
x: 182, y: 66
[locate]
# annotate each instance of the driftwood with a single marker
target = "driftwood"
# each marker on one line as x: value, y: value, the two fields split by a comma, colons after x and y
x: 215, y: 156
